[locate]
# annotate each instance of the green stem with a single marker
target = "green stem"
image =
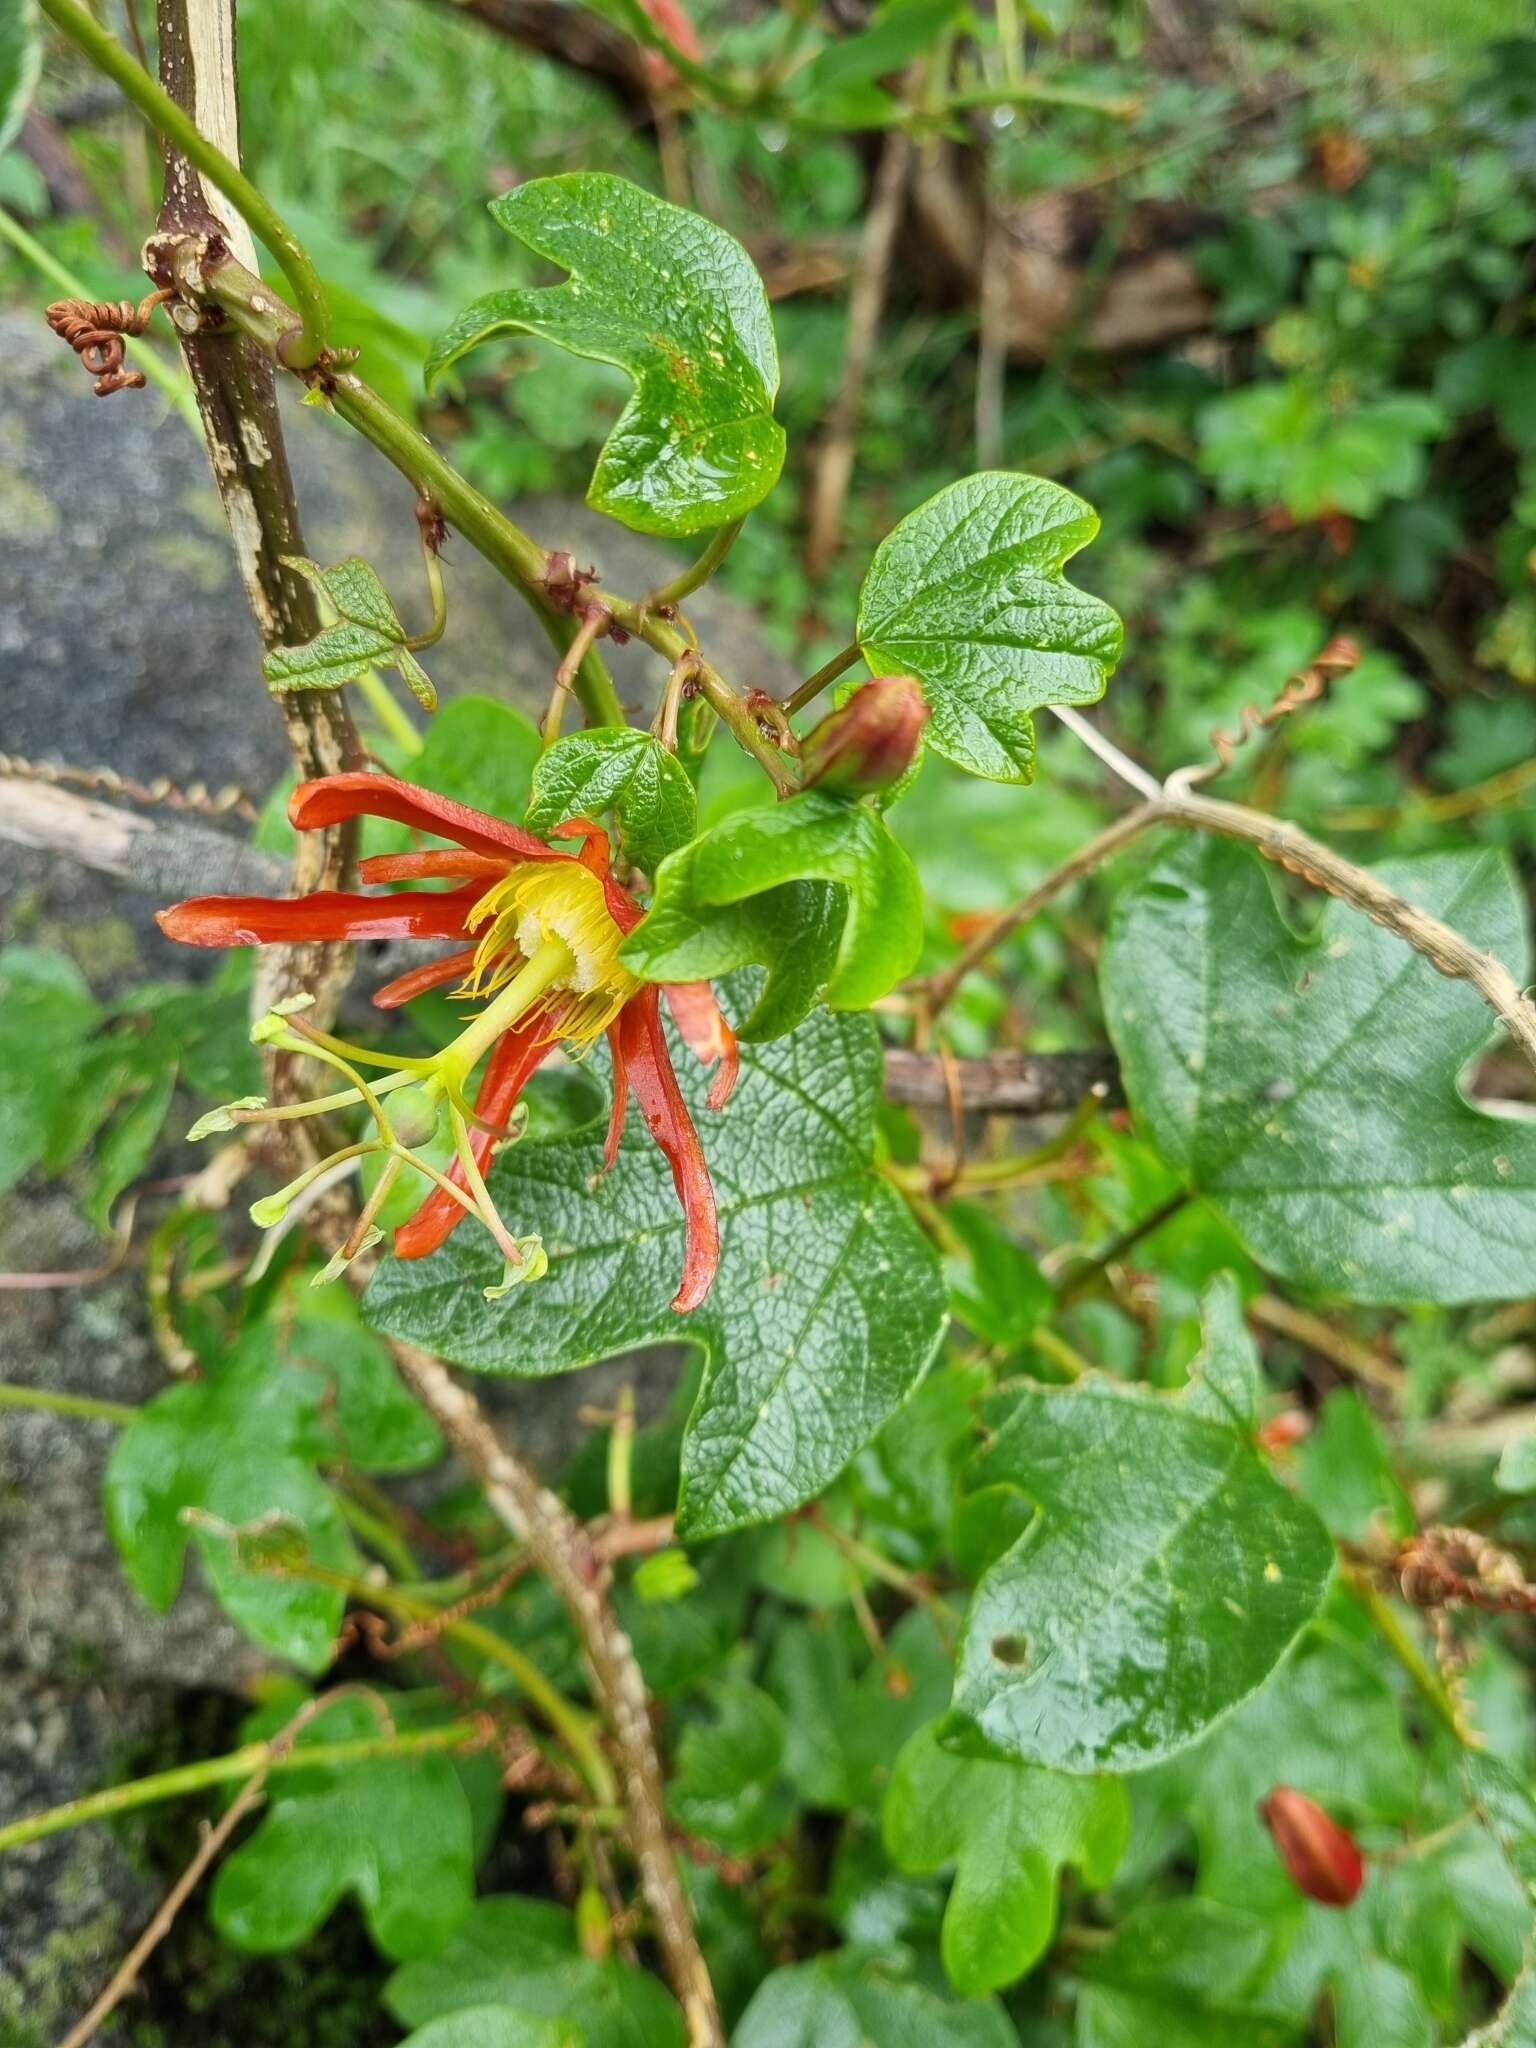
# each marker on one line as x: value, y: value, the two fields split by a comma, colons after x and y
x: 175, y: 387
x: 391, y: 719
x: 1389, y: 1626
x: 1029, y: 92
x: 376, y: 1532
x: 220, y: 1770
x: 432, y: 562
x: 827, y: 673
x: 178, y: 128
x: 575, y: 1729
x: 517, y: 555
x: 116, y: 1412
x: 721, y: 541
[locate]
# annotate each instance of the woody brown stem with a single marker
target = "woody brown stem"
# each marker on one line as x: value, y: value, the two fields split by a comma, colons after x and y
x: 237, y: 401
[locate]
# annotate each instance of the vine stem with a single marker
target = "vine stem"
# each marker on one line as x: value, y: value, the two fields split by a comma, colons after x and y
x: 118, y: 1413
x: 177, y: 127
x: 221, y: 1770
x: 1178, y: 802
x: 569, y: 1559
x: 698, y: 573
x: 827, y: 673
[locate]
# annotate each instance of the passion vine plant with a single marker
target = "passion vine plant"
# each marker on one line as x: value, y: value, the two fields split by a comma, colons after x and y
x: 916, y: 1678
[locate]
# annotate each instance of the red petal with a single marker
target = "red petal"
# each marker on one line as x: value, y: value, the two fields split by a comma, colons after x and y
x: 620, y: 1093
x: 707, y: 1035
x: 417, y: 980
x: 327, y: 914
x: 517, y: 1053
x: 666, y: 1114
x: 432, y: 866
x: 335, y: 798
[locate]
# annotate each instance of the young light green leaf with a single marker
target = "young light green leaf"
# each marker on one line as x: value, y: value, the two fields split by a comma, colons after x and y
x: 1159, y: 1527
x: 826, y: 1310
x: 846, y: 2000
x: 393, y: 1832
x: 368, y: 634
x: 524, y: 1953
x: 21, y: 58
x: 1009, y: 1829
x: 676, y: 302
x: 845, y: 1716
x: 1309, y: 1085
x: 318, y: 1330
x: 809, y: 837
x: 967, y: 594
x: 1183, y: 1973
x: 1346, y: 1472
x: 238, y: 1448
x: 627, y: 772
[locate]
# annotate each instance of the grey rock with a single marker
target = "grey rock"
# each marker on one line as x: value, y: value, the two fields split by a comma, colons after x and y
x: 71, y: 1903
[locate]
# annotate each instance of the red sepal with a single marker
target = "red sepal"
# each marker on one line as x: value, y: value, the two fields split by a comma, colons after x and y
x: 706, y: 1034
x: 335, y: 798
x: 417, y: 980
x: 649, y: 1069
x: 517, y: 1053
x: 327, y: 914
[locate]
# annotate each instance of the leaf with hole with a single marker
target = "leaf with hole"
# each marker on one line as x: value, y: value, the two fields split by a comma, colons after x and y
x: 620, y: 770
x: 826, y: 1311
x: 367, y: 634
x: 677, y: 303
x: 695, y: 929
x: 967, y: 594
x: 1310, y: 1085
x: 1164, y: 1576
x: 1009, y: 1829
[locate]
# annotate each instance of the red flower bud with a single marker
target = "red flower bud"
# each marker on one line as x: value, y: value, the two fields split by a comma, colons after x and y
x: 869, y: 742
x: 1322, y: 1859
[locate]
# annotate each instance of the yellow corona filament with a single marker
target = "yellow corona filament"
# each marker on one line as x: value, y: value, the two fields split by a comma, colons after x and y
x: 528, y: 908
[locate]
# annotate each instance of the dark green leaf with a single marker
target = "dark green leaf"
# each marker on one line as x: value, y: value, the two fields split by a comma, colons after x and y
x: 1309, y: 1086
x: 728, y: 1785
x: 1009, y: 1829
x: 21, y: 58
x: 967, y: 594
x: 124, y: 1152
x: 393, y: 1832
x: 846, y: 1716
x: 808, y: 838
x: 840, y: 88
x: 846, y: 2000
x: 381, y: 1427
x: 239, y: 1447
x: 46, y: 1014
x: 1346, y: 1472
x: 996, y: 1288
x: 1182, y: 1974
x: 1165, y: 1576
x: 369, y: 635
x: 624, y: 771
x: 826, y: 1310
x: 523, y: 1953
x: 676, y: 302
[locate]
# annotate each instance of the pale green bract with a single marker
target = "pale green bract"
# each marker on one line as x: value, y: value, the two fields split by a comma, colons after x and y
x: 677, y: 303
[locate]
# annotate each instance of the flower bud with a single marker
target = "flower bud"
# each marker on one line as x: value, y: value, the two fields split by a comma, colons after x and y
x: 869, y: 742
x: 1322, y: 1859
